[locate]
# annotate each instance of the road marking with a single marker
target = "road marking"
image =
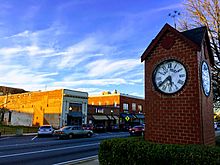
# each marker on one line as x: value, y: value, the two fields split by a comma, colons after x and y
x: 4, y: 138
x: 50, y: 150
x: 78, y: 160
x: 34, y: 138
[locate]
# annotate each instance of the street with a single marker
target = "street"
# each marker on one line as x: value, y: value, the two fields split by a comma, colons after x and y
x: 49, y: 150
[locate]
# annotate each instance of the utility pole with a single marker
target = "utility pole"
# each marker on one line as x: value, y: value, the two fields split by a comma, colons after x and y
x: 173, y: 16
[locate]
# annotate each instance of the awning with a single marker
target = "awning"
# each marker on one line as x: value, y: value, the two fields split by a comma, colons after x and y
x: 124, y: 115
x: 116, y: 117
x: 111, y: 117
x: 139, y: 116
x: 100, y: 117
x: 75, y: 114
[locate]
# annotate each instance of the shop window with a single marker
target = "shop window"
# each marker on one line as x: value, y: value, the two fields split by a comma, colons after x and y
x: 140, y: 108
x: 133, y: 106
x: 76, y: 107
x: 125, y: 107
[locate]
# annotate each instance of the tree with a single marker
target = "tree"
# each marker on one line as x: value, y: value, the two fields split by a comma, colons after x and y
x: 206, y: 13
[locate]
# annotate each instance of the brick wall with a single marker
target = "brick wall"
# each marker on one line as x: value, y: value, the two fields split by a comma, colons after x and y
x: 37, y: 104
x: 109, y: 100
x: 180, y: 118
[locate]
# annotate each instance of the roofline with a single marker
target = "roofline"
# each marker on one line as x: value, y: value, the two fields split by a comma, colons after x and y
x: 118, y: 94
x: 165, y: 28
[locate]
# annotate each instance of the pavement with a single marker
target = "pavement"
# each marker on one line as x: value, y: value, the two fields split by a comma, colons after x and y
x: 89, y: 162
x: 92, y: 160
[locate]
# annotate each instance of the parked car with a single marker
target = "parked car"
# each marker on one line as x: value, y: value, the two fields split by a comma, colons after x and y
x: 100, y: 128
x: 114, y: 127
x: 72, y: 131
x: 137, y: 130
x: 45, y: 130
x: 88, y: 126
x: 125, y: 127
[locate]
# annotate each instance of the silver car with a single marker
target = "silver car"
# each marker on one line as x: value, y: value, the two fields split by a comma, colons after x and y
x: 72, y: 131
x: 45, y: 130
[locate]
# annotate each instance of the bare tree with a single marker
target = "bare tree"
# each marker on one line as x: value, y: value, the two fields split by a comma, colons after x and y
x: 206, y: 13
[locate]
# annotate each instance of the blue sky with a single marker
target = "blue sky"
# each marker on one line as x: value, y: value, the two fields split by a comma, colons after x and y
x: 85, y: 45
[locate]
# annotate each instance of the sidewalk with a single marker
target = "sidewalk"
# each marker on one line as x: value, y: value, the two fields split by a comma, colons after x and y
x: 91, y: 162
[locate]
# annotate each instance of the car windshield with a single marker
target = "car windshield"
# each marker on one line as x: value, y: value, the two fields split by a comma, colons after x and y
x: 138, y: 126
x: 45, y: 127
x: 66, y: 128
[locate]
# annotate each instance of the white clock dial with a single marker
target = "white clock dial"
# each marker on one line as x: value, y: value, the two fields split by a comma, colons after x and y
x: 206, y: 80
x: 169, y: 76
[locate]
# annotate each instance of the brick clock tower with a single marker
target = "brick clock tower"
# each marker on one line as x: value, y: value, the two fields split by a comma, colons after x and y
x: 178, y: 89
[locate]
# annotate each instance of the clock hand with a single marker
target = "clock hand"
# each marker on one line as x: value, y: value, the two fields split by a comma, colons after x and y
x: 164, y: 81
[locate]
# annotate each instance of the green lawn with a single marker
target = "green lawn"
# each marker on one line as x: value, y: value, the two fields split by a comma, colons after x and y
x: 9, y: 130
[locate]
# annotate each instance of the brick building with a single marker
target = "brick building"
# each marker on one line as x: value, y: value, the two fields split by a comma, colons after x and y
x: 58, y: 108
x: 186, y: 115
x: 9, y: 90
x: 126, y: 109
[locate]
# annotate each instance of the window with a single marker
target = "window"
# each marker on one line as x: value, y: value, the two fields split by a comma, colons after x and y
x: 125, y: 107
x: 133, y: 106
x: 76, y: 107
x: 140, y: 109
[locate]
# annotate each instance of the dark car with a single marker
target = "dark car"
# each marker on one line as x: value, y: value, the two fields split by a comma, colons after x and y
x: 99, y: 128
x: 72, y: 131
x: 114, y: 127
x: 137, y: 130
x: 87, y: 126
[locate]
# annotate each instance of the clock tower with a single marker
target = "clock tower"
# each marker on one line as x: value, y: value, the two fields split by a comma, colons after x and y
x: 178, y: 95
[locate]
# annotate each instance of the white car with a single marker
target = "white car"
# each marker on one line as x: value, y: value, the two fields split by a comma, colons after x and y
x: 215, y: 125
x: 45, y: 130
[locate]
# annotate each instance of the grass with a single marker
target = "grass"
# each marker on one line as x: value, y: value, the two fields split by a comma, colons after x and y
x: 9, y: 130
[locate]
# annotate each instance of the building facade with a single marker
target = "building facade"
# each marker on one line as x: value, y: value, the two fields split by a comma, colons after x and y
x: 58, y: 108
x: 127, y: 109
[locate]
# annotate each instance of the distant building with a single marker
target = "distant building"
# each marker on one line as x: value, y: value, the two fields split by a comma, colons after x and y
x: 9, y: 90
x: 127, y: 109
x: 58, y: 108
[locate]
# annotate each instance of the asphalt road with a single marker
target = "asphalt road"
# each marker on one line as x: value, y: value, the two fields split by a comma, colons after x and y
x: 49, y: 150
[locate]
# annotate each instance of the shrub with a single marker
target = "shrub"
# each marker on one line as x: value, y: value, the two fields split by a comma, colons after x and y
x: 133, y: 151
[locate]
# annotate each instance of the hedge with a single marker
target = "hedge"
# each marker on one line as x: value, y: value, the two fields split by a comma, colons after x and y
x: 133, y: 151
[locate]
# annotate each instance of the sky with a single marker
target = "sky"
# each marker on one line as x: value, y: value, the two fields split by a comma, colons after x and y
x: 83, y: 45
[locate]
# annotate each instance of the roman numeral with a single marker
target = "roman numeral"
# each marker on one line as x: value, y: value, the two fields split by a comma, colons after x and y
x: 179, y: 69
x: 162, y: 73
x: 158, y: 78
x: 164, y: 87
x: 170, y: 65
x: 182, y: 75
x: 180, y: 82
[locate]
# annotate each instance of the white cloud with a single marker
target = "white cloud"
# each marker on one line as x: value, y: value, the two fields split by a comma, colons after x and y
x: 96, y: 82
x: 106, y: 67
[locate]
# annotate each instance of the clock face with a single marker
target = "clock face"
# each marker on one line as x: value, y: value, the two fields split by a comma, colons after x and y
x: 206, y: 81
x: 169, y: 76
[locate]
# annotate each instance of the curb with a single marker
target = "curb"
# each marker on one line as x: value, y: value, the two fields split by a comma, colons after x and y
x: 79, y: 161
x: 25, y: 134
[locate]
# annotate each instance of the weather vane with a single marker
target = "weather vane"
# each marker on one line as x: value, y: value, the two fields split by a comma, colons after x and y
x: 174, y: 15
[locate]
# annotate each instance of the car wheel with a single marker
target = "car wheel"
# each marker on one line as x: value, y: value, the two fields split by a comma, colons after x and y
x: 89, y: 134
x: 70, y: 136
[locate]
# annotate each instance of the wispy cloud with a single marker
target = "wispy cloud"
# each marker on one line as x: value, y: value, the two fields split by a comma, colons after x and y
x: 169, y: 7
x: 109, y: 67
